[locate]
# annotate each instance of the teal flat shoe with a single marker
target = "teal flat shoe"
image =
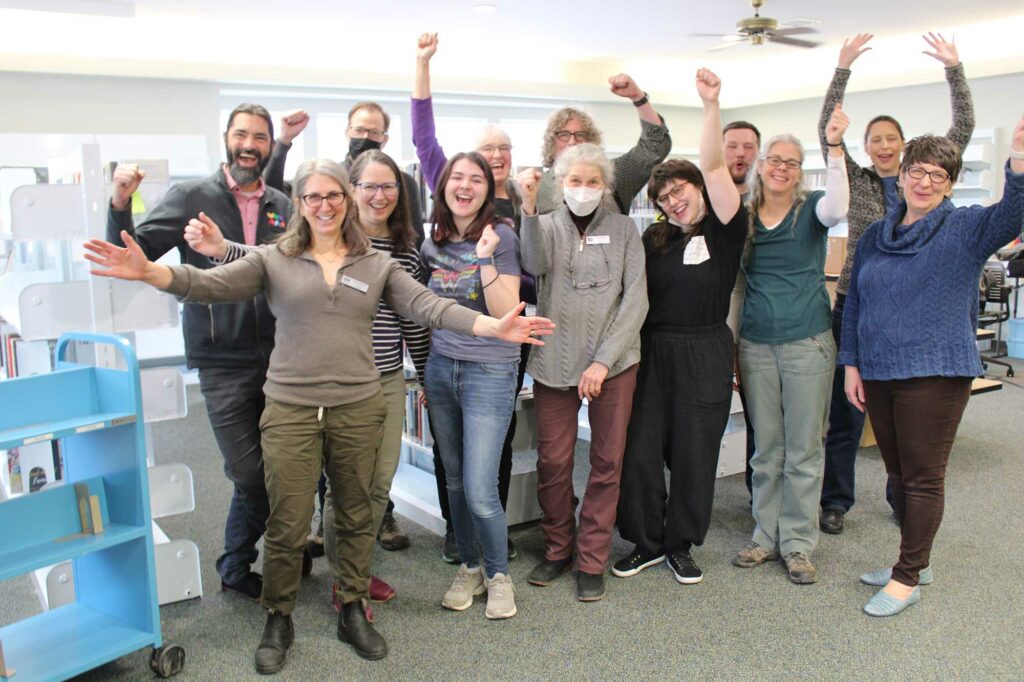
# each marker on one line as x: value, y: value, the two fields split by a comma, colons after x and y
x: 882, y: 604
x: 882, y: 576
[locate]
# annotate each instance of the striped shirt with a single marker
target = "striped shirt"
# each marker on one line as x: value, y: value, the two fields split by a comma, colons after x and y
x: 389, y: 329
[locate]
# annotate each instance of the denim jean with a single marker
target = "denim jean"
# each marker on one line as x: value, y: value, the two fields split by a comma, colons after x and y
x: 470, y: 405
x: 788, y: 387
x: 845, y: 427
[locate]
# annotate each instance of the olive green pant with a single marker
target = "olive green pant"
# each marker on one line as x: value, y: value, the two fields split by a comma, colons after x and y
x: 298, y: 444
x: 393, y: 386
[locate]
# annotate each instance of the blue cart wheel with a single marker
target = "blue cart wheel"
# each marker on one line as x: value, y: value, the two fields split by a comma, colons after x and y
x: 167, y: 661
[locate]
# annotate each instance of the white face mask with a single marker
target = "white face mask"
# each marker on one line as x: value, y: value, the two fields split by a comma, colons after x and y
x: 582, y: 200
x: 701, y: 212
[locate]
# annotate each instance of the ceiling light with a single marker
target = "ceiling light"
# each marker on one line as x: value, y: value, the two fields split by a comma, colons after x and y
x: 484, y: 7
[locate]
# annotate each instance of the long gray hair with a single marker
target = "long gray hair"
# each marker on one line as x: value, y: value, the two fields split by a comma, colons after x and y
x: 299, y: 235
x: 757, y: 191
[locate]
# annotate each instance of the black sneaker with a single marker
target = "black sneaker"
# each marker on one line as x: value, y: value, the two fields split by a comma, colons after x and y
x: 450, y: 553
x: 512, y: 551
x: 250, y: 587
x: 636, y: 562
x: 684, y: 568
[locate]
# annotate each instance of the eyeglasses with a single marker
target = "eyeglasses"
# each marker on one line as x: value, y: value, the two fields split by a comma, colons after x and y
x: 334, y: 199
x: 489, y: 149
x: 372, y: 133
x: 776, y: 161
x: 676, y: 193
x: 589, y: 285
x: 937, y: 177
x: 370, y: 188
x: 579, y: 135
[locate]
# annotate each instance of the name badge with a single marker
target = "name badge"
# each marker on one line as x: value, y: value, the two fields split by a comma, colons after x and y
x: 598, y: 239
x: 355, y: 284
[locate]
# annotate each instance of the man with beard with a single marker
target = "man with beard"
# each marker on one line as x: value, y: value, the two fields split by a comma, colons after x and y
x: 368, y: 125
x: 230, y: 343
x: 741, y: 142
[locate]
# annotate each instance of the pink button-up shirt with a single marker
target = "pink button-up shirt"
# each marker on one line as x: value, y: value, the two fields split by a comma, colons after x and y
x: 248, y: 205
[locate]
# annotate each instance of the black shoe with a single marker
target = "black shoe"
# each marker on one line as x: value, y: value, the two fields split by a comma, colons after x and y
x: 250, y: 587
x: 278, y: 635
x: 315, y: 546
x: 589, y: 586
x: 684, y: 568
x: 512, y: 551
x: 390, y: 536
x: 307, y: 562
x: 450, y: 553
x: 831, y: 521
x: 636, y: 562
x: 355, y: 628
x: 545, y: 573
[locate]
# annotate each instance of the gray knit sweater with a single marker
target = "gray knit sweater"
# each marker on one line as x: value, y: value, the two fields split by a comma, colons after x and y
x: 867, y: 196
x: 632, y: 170
x: 594, y: 289
x: 323, y: 348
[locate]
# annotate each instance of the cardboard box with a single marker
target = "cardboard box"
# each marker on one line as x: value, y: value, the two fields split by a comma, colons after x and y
x: 836, y: 256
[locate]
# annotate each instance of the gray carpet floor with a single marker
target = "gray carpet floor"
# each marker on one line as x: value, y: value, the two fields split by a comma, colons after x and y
x: 737, y: 624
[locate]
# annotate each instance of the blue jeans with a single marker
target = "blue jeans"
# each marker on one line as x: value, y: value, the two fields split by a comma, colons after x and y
x: 787, y: 389
x: 470, y: 405
x: 845, y: 427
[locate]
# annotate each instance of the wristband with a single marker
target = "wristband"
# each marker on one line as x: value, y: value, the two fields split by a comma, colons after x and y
x: 837, y: 144
x: 485, y: 260
x: 640, y: 102
x: 1016, y: 155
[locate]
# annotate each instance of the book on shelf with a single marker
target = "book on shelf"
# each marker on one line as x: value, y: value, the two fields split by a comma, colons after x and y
x: 417, y: 420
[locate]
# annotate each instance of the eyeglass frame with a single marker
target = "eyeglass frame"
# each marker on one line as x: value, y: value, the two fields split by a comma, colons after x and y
x: 321, y: 198
x: 910, y: 170
x: 365, y: 188
x: 566, y: 135
x: 590, y: 285
x: 372, y: 133
x: 491, y: 148
x: 788, y: 163
x: 676, y: 193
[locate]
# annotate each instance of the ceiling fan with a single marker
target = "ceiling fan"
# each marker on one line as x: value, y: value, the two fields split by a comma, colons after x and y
x: 757, y: 29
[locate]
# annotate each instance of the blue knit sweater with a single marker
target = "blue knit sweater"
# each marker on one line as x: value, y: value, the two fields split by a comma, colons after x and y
x: 912, y: 306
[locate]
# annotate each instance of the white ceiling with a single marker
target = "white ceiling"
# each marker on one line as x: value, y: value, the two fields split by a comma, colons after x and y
x: 523, y: 47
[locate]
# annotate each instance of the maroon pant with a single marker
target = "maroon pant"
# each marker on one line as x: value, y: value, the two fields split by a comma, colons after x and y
x: 915, y: 422
x: 557, y: 411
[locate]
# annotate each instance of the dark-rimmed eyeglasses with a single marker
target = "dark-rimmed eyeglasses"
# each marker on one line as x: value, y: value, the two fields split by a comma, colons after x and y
x: 578, y: 135
x: 776, y: 161
x: 370, y: 188
x: 334, y: 199
x: 937, y: 177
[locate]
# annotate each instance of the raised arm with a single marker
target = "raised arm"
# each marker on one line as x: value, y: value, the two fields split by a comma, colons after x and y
x: 162, y: 229
x: 292, y: 123
x: 633, y: 168
x: 499, y: 282
x: 962, y: 127
x: 725, y: 199
x: 424, y: 136
x: 536, y: 240
x: 852, y: 49
x: 1002, y: 222
x: 833, y: 207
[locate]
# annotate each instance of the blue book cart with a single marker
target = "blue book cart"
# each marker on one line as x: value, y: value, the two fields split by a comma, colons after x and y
x: 99, y: 519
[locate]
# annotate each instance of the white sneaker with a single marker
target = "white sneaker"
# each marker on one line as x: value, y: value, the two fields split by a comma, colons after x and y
x: 501, y: 597
x: 468, y: 583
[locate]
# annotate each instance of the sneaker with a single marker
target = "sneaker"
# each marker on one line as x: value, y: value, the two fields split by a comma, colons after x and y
x: 512, y: 551
x: 754, y: 554
x: 501, y: 597
x: 390, y: 536
x: 450, y: 553
x: 801, y: 570
x: 636, y: 562
x: 468, y: 583
x: 250, y: 587
x: 684, y: 568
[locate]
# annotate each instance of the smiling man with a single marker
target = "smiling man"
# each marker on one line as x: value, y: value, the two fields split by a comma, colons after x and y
x: 229, y: 343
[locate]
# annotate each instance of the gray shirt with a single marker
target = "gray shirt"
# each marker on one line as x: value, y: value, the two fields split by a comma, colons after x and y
x: 593, y: 287
x: 323, y: 348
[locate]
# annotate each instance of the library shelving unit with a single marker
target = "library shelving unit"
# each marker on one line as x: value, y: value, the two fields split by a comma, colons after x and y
x: 99, y: 519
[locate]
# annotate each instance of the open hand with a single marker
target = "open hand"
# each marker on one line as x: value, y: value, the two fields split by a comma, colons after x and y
x: 123, y: 263
x: 204, y: 236
x: 853, y: 48
x: 515, y: 328
x: 943, y: 50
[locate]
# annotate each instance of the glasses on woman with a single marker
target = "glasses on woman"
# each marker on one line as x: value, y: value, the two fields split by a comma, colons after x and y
x: 578, y: 135
x: 675, y: 193
x: 368, y: 189
x: 334, y: 199
x: 776, y: 161
x: 937, y: 177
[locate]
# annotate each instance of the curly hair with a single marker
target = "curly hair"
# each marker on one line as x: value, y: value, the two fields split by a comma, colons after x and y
x: 557, y: 122
x: 587, y: 154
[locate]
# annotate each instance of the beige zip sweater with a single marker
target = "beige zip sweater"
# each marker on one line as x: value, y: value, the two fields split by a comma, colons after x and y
x: 599, y: 306
x: 323, y: 348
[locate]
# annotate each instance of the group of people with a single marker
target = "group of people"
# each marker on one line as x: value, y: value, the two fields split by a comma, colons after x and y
x: 298, y: 312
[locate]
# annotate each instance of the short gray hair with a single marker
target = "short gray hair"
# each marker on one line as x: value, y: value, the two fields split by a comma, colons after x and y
x: 488, y: 131
x: 586, y: 154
